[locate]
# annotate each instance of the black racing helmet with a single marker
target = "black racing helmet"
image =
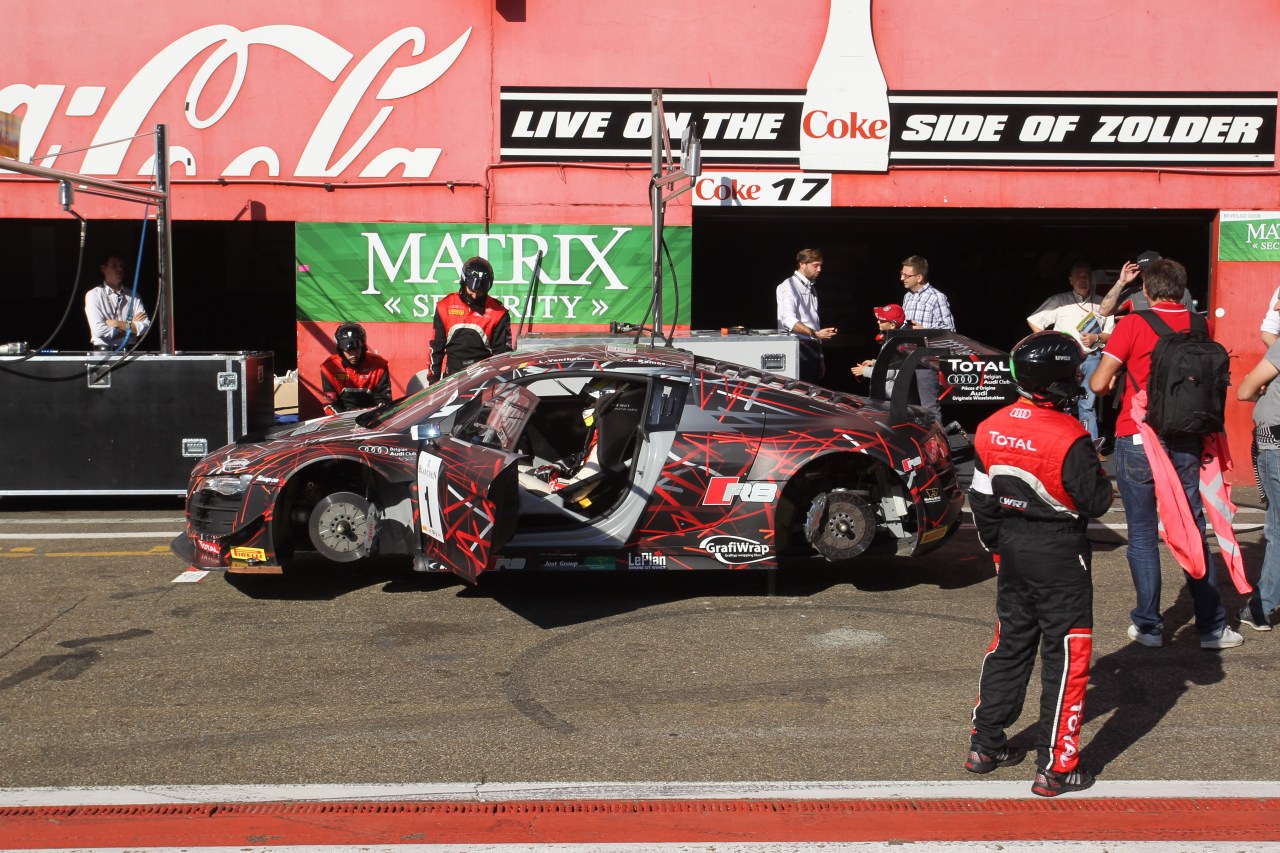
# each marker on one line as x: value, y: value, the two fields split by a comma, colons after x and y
x: 477, y: 275
x: 1046, y: 368
x: 349, y: 337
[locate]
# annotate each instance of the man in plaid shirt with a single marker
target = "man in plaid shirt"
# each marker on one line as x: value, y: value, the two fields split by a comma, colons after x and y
x: 926, y: 307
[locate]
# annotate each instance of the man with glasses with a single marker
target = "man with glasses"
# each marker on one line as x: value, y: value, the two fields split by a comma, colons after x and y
x: 926, y: 307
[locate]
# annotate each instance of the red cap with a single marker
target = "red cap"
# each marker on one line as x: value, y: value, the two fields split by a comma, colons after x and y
x: 892, y: 313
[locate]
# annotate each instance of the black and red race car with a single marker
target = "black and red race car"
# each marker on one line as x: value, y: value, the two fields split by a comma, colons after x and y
x: 583, y: 457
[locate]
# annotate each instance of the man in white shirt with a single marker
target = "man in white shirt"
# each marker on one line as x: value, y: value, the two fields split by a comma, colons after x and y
x: 114, y: 317
x: 1076, y: 313
x: 798, y: 313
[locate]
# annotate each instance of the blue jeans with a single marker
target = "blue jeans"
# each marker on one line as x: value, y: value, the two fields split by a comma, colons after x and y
x: 1088, y: 405
x: 1138, y: 494
x: 1269, y: 582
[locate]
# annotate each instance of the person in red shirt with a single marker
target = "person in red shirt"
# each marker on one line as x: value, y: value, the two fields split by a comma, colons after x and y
x: 1129, y: 350
x: 469, y: 325
x: 353, y: 378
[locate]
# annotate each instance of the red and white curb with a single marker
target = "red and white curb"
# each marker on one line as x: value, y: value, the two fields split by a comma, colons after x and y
x: 577, y: 817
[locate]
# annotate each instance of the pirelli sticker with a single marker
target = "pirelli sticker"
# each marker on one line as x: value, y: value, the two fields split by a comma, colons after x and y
x: 932, y: 535
x: 925, y: 128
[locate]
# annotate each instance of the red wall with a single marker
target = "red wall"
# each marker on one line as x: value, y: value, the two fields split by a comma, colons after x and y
x: 963, y: 45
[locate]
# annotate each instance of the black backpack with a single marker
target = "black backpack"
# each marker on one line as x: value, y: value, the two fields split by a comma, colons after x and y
x: 1190, y: 373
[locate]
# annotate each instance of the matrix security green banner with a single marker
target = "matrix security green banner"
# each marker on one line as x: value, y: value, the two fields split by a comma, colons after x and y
x: 1249, y: 235
x: 389, y: 272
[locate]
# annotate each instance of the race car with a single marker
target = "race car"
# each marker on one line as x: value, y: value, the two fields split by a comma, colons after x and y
x: 583, y: 457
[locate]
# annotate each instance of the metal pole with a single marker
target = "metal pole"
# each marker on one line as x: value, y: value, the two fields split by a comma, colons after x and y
x: 656, y: 206
x: 164, y: 240
x: 117, y: 190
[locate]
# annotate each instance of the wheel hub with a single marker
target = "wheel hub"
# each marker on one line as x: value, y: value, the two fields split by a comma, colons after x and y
x: 840, y: 525
x: 341, y: 527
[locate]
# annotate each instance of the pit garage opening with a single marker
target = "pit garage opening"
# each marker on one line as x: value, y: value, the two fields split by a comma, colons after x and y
x: 995, y: 266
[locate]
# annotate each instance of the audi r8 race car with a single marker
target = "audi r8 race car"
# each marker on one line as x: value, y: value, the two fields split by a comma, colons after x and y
x: 583, y: 457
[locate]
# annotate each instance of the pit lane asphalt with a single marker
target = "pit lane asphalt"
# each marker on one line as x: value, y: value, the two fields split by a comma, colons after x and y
x: 113, y: 674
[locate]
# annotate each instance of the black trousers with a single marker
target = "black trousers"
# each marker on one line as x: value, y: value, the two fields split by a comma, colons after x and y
x: 811, y: 366
x: 1044, y: 600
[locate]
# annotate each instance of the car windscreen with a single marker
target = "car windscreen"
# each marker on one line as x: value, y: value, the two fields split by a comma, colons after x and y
x: 416, y: 408
x: 501, y: 419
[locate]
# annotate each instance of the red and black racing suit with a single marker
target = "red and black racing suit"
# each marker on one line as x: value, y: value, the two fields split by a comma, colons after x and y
x: 371, y: 374
x: 1036, y: 484
x: 466, y: 333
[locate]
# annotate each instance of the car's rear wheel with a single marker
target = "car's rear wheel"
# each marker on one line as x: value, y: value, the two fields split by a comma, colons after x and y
x: 839, y: 525
x: 341, y: 527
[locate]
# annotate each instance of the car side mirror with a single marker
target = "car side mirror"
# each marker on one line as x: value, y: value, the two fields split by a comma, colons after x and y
x: 425, y: 432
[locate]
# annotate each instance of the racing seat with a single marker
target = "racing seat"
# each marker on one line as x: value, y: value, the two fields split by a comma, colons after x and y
x: 617, y: 421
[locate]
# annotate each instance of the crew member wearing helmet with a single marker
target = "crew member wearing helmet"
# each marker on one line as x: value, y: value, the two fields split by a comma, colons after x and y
x: 1036, y: 484
x: 470, y: 325
x: 354, y: 378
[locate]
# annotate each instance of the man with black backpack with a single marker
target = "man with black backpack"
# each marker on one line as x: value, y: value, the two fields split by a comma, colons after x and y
x: 1184, y: 403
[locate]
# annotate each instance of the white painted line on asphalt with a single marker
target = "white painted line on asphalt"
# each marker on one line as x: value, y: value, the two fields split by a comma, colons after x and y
x: 505, y: 792
x: 156, y: 520
x: 1098, y: 525
x: 1239, y: 527
x: 148, y: 534
x: 727, y: 847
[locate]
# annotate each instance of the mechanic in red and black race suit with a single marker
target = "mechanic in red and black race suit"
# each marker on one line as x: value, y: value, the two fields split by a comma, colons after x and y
x: 470, y: 325
x: 1036, y: 484
x: 353, y: 377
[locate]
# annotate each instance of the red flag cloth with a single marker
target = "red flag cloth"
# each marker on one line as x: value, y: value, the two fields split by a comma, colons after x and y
x: 1181, y: 533
x: 1215, y: 462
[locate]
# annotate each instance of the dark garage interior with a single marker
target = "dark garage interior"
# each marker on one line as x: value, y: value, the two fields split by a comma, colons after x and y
x: 233, y: 281
x: 995, y: 266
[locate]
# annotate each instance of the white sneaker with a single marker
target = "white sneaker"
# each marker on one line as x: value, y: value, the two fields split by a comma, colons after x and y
x: 1228, y: 639
x: 1152, y: 641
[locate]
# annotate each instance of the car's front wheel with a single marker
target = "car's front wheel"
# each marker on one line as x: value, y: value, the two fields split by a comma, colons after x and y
x: 342, y: 526
x: 839, y: 525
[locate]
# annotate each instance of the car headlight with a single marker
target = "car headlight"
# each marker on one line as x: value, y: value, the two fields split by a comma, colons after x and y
x: 229, y: 486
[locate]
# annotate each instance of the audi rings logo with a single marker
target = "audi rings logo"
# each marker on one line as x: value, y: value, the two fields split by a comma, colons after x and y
x: 964, y: 379
x: 734, y: 550
x: 383, y: 450
x: 1020, y: 413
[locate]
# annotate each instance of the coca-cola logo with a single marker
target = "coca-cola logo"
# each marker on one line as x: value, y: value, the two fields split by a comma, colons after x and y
x: 227, y: 54
x: 818, y: 124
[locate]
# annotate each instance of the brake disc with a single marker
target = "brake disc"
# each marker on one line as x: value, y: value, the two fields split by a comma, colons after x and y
x: 342, y: 526
x: 840, y: 525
